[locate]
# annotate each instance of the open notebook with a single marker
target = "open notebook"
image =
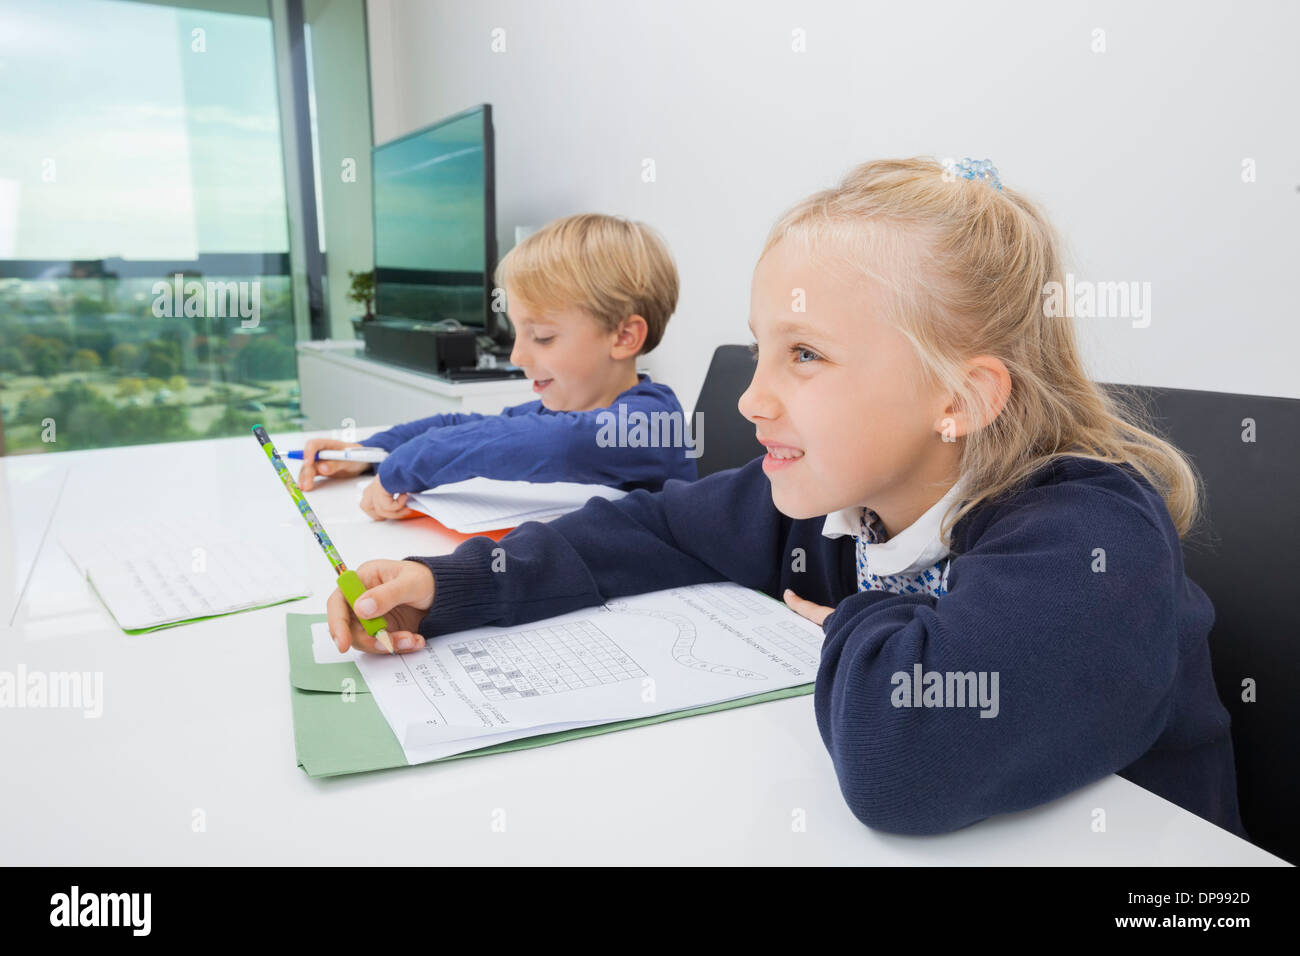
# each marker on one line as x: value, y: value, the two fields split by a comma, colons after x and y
x: 162, y: 572
x: 488, y: 504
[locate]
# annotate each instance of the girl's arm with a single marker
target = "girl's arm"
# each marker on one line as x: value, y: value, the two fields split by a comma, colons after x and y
x: 1084, y: 661
x: 564, y: 446
x: 723, y: 527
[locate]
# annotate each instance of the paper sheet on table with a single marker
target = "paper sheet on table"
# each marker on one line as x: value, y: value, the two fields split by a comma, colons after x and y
x: 325, y: 651
x: 488, y: 504
x: 633, y: 657
x: 157, y: 572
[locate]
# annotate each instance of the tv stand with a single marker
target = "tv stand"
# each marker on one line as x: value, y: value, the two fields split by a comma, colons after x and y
x: 482, y: 374
x: 340, y: 385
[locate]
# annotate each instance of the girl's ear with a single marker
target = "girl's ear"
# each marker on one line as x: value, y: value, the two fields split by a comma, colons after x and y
x: 989, y: 379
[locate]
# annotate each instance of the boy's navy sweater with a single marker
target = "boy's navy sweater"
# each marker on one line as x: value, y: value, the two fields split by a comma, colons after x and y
x: 530, y: 442
x: 1099, y: 671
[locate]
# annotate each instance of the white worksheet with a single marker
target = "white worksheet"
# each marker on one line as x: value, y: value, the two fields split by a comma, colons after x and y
x: 489, y: 504
x: 155, y: 571
x: 633, y: 657
x: 325, y: 651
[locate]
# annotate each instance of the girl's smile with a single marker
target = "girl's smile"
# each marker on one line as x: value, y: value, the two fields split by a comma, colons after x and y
x: 778, y: 456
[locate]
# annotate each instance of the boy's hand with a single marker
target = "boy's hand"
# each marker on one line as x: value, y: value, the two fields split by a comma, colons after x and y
x: 334, y: 469
x: 380, y: 504
x: 399, y: 591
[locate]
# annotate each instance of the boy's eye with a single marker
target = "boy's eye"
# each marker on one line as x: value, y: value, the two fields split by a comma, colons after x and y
x: 798, y: 350
x: 753, y: 351
x: 546, y: 341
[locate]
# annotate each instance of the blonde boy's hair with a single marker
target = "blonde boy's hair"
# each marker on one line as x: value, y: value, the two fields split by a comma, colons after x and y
x: 965, y: 268
x: 608, y: 266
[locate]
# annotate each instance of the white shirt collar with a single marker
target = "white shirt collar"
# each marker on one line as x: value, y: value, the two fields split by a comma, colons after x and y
x: 915, y: 548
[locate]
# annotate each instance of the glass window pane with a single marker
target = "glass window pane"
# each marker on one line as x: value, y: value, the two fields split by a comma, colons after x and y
x: 144, y: 252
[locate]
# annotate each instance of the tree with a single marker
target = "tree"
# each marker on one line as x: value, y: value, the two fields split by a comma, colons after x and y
x: 129, y: 387
x: 47, y: 355
x: 124, y: 356
x: 35, y: 405
x: 234, y: 422
x: 178, y: 383
x: 265, y: 359
x: 86, y: 360
x: 88, y: 420
x: 12, y: 360
x: 362, y: 291
x: 162, y: 359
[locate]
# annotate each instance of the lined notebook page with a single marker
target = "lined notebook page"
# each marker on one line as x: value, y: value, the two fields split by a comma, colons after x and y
x: 164, y: 571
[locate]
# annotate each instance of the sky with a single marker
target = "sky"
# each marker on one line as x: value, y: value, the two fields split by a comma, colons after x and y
x: 159, y: 150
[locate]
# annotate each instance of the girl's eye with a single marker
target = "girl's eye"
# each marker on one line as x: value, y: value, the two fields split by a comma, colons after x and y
x: 798, y: 350
x: 546, y: 341
x: 753, y: 351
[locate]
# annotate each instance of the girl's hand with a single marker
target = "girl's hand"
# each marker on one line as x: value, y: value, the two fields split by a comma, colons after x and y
x: 381, y: 505
x: 398, y: 591
x: 817, y: 613
x: 334, y: 469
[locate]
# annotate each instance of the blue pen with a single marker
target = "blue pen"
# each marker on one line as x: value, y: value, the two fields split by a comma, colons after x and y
x: 371, y: 455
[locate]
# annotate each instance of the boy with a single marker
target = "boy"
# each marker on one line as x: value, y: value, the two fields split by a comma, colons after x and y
x: 587, y: 294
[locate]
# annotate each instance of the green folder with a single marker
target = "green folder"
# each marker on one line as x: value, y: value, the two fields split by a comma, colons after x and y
x: 338, y: 728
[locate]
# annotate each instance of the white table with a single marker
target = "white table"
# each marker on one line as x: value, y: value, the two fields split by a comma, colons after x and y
x: 196, y: 720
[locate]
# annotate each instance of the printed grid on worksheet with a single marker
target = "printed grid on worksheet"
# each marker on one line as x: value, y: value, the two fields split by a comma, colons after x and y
x: 733, y: 602
x: 544, y: 660
x: 794, y: 640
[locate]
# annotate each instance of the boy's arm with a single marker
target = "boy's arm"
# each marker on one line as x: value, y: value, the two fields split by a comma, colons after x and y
x: 565, y: 446
x: 723, y: 527
x: 400, y: 434
x: 1085, y: 663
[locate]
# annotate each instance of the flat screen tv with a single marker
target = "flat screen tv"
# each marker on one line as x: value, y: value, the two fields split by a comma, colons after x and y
x: 435, y: 224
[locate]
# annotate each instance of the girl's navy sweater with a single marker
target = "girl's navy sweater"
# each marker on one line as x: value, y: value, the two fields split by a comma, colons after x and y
x: 1071, y: 590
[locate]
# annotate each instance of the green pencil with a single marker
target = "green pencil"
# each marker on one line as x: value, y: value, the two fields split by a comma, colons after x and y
x: 348, y: 581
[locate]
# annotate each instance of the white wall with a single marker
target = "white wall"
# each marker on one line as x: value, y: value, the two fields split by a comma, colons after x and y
x: 1135, y: 152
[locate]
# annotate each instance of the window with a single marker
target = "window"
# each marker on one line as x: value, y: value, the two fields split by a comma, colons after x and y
x: 144, y: 241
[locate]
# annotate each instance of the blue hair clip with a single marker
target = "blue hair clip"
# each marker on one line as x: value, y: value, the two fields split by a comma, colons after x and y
x: 981, y: 169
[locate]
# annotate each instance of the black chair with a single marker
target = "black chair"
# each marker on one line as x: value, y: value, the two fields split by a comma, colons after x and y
x: 1245, y: 557
x: 728, y: 438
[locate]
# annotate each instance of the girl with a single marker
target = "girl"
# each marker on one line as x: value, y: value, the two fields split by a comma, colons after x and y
x: 989, y: 543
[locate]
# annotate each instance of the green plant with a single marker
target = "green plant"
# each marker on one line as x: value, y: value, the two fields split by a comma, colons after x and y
x: 363, y: 290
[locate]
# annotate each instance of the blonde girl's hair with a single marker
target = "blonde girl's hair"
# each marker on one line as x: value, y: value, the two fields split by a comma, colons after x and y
x: 965, y: 269
x: 608, y: 266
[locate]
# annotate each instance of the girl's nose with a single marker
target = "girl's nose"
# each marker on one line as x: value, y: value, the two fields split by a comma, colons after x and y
x: 756, y: 401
